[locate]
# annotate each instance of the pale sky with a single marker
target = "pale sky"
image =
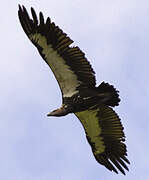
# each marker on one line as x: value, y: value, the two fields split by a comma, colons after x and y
x: 114, y: 34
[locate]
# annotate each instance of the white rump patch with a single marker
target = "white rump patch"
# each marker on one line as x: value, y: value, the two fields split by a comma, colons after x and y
x: 66, y: 78
x: 93, y: 130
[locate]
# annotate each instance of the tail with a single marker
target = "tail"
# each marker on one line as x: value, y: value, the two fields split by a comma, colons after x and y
x: 111, y: 94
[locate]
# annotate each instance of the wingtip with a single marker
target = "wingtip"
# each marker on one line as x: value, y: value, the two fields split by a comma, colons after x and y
x: 125, y: 159
x: 32, y: 9
x: 23, y: 7
x: 41, y: 18
x: 19, y: 6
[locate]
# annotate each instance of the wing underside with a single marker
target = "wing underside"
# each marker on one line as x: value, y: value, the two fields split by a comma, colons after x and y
x: 104, y: 133
x: 69, y: 64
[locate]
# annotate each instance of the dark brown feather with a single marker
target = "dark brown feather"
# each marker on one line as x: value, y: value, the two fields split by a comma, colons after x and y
x: 109, y: 150
x: 60, y: 42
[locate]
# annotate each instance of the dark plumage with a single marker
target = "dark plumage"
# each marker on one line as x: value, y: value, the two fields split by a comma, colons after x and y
x: 76, y: 78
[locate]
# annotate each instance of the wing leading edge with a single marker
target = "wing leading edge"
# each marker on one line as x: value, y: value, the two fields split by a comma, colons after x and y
x: 104, y: 133
x: 69, y: 64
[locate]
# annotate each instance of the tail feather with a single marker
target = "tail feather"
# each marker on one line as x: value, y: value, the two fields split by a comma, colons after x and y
x: 111, y: 93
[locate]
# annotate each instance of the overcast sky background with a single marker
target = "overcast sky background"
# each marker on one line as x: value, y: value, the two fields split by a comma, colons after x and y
x: 114, y: 34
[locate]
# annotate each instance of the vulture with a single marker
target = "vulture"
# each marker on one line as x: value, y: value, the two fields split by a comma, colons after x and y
x: 92, y: 104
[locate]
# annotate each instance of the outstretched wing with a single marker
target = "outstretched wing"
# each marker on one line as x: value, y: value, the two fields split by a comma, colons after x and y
x: 69, y: 64
x: 104, y: 133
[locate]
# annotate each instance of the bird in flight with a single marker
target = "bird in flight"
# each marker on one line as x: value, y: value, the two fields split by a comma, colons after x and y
x: 93, y: 105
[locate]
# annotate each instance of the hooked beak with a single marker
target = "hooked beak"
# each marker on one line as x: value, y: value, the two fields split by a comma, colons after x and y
x: 58, y: 112
x: 50, y: 114
x: 53, y: 113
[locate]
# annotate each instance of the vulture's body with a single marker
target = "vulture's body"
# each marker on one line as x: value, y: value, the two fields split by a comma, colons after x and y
x: 76, y: 78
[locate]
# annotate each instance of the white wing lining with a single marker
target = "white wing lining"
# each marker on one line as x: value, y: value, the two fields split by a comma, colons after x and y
x: 66, y: 78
